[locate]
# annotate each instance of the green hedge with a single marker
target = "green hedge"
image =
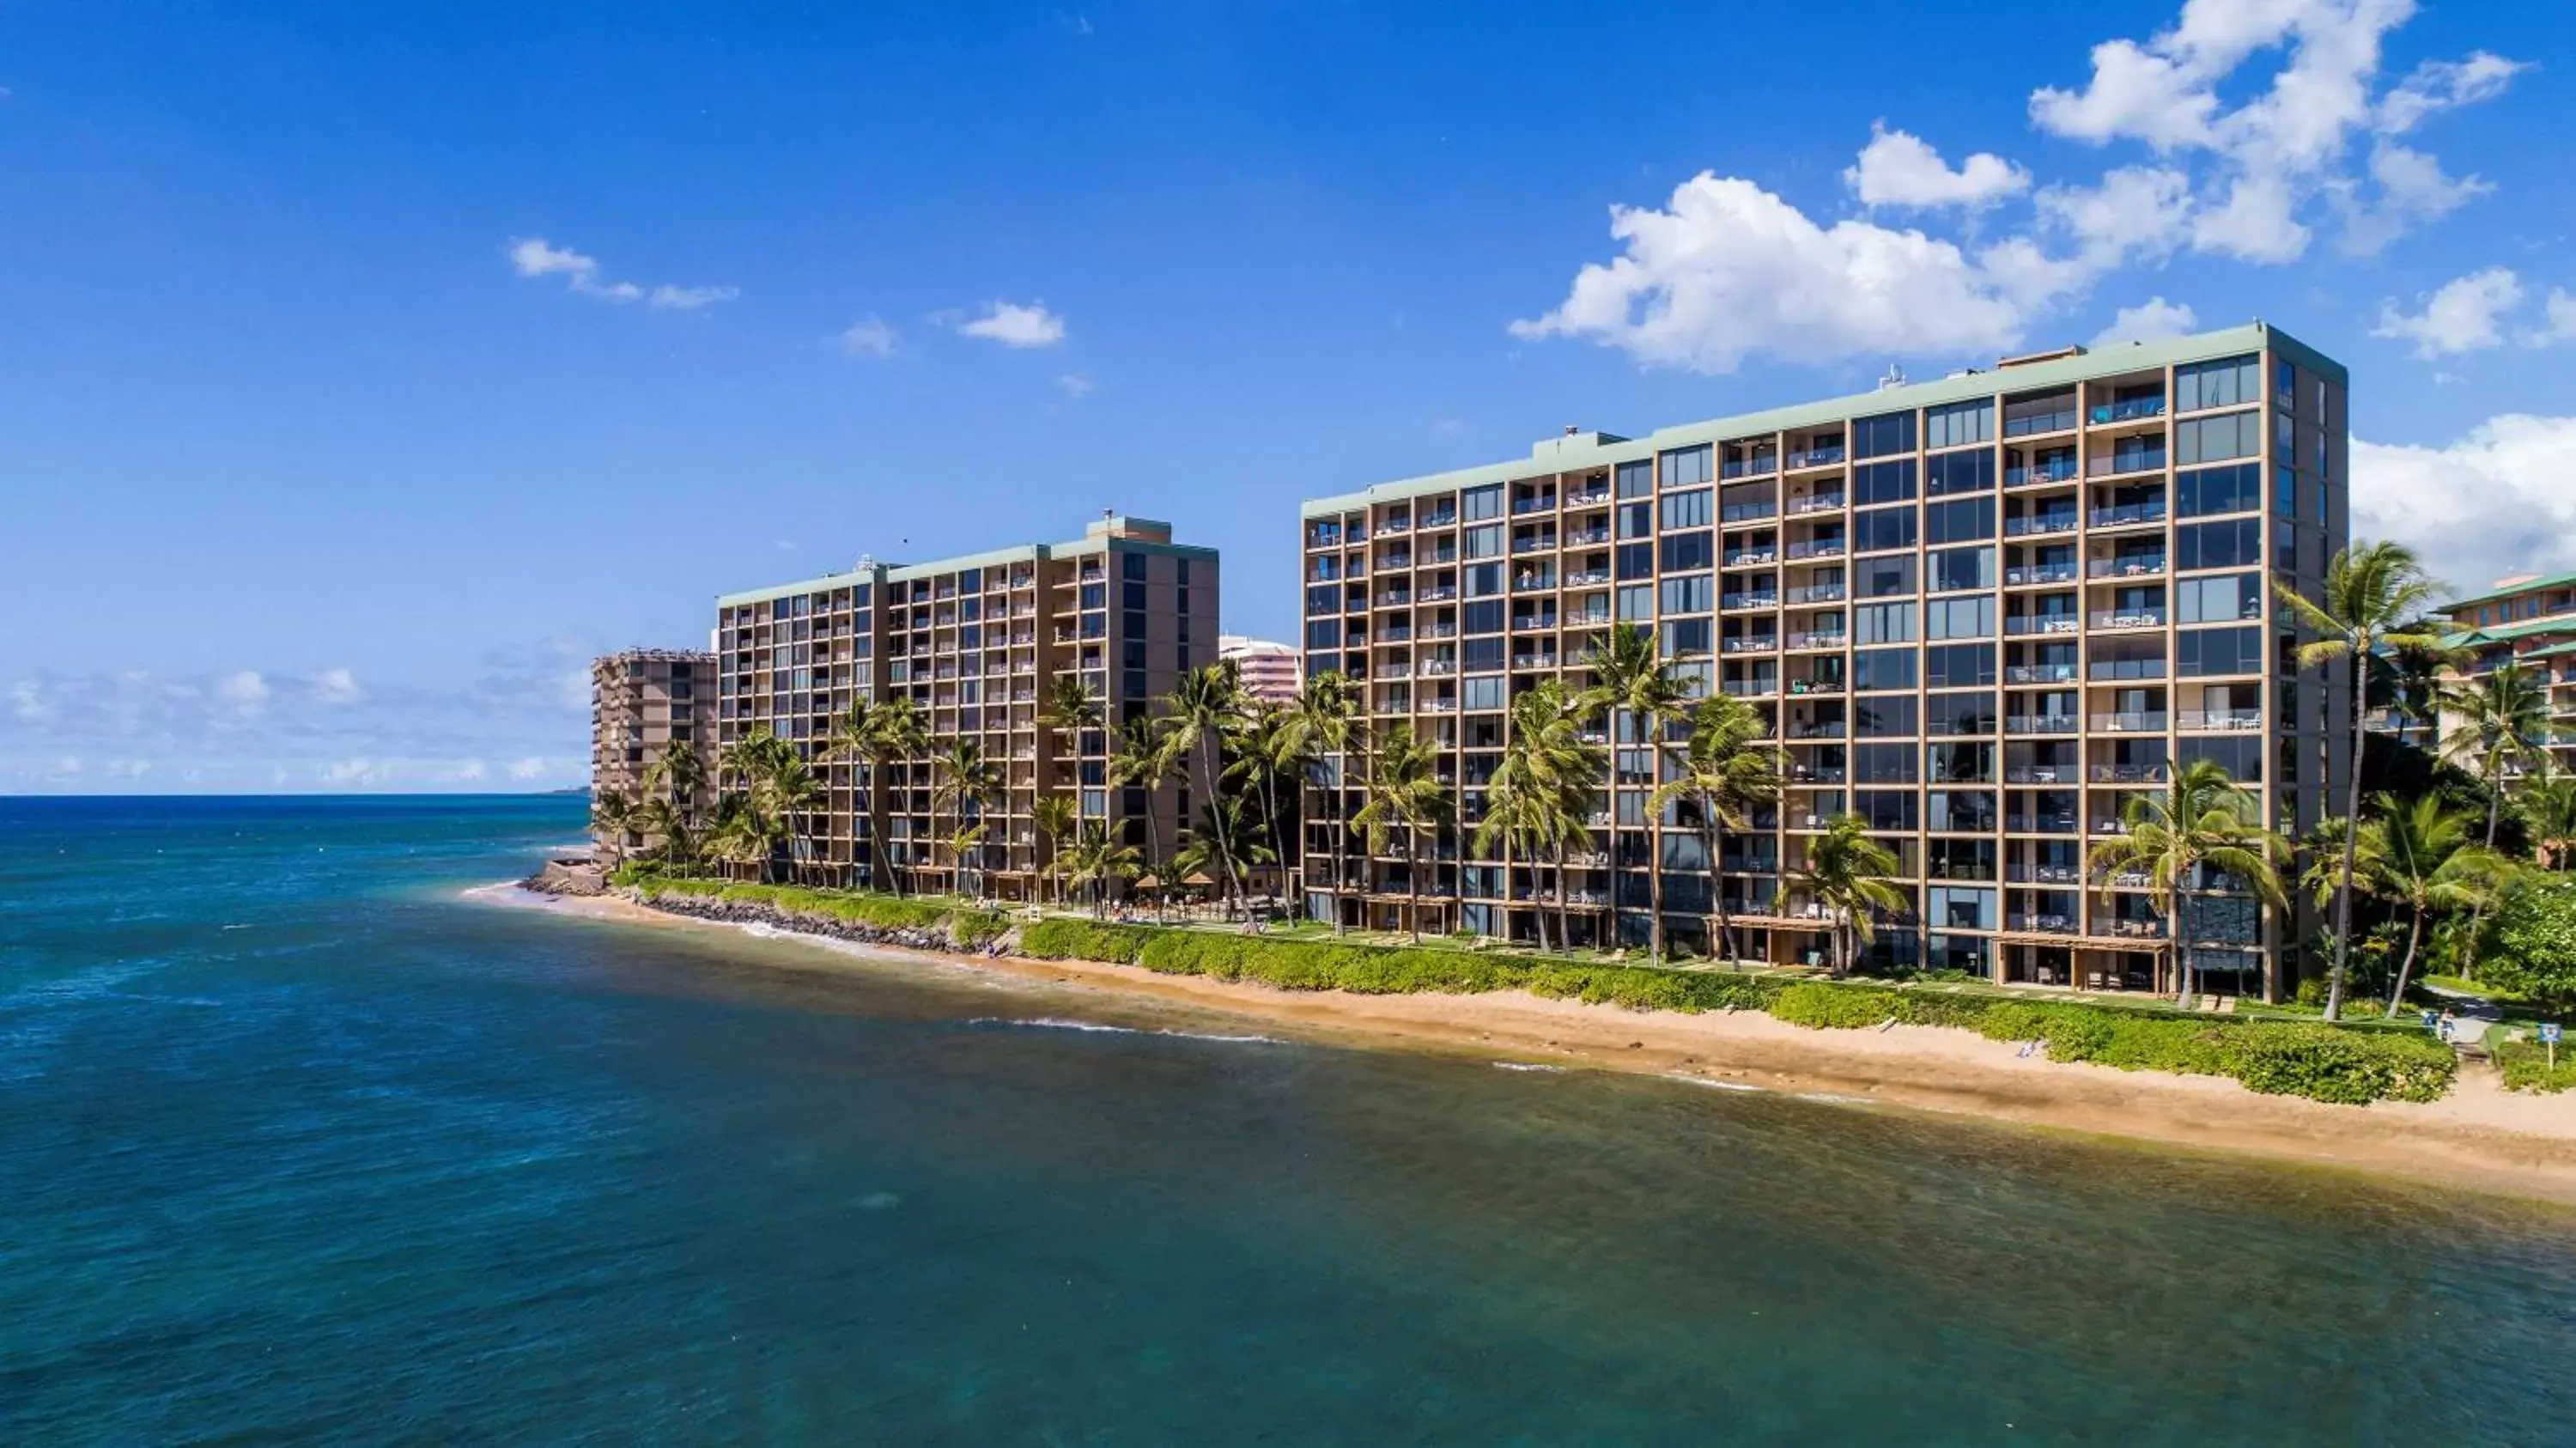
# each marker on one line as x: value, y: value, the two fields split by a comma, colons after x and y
x: 2282, y: 1058
x: 2525, y: 1065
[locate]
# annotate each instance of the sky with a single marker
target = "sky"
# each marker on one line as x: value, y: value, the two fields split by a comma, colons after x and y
x: 366, y: 369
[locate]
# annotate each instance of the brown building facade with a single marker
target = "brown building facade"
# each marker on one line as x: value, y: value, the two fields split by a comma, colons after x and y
x: 641, y: 700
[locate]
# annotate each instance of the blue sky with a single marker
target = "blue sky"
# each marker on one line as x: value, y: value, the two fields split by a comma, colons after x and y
x: 364, y: 369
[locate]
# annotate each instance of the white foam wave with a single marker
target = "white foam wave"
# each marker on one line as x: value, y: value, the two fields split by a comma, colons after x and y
x: 1528, y: 1066
x: 1713, y: 1085
x: 1058, y: 1023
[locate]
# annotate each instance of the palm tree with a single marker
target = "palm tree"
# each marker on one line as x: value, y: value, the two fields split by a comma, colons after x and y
x: 1198, y: 850
x: 2200, y: 821
x: 1070, y: 707
x: 967, y: 782
x: 885, y: 736
x: 1057, y: 817
x: 1632, y: 681
x: 2374, y: 597
x: 2503, y: 725
x: 1727, y: 767
x: 1846, y: 875
x: 681, y: 772
x: 1095, y: 860
x: 738, y: 835
x: 787, y: 789
x: 2551, y: 800
x: 1405, y: 796
x: 744, y: 770
x: 659, y: 819
x: 965, y: 843
x: 613, y: 814
x: 2419, y: 854
x: 1327, y: 721
x: 1203, y: 707
x: 2412, y: 679
x: 1542, y: 793
x: 1269, y: 744
x: 1150, y: 751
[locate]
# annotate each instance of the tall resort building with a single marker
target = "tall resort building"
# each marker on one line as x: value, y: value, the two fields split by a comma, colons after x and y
x: 2529, y: 620
x: 1269, y: 670
x: 1981, y: 613
x: 976, y: 643
x: 640, y: 701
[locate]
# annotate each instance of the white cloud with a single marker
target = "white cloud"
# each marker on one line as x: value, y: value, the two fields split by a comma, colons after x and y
x: 2150, y: 319
x: 867, y: 337
x: 528, y: 768
x: 1077, y: 384
x: 128, y: 768
x: 1014, y: 325
x: 337, y: 686
x: 534, y: 256
x: 2441, y: 85
x: 465, y: 771
x: 1728, y: 269
x: 2500, y: 500
x: 1897, y: 168
x: 246, y: 692
x: 2463, y: 315
x: 2560, y: 315
x: 361, y: 773
x: 27, y: 701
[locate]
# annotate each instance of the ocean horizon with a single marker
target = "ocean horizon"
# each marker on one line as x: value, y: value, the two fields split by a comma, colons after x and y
x: 302, y: 1144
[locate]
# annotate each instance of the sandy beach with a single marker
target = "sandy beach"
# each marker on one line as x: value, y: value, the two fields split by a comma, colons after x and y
x: 2480, y: 1137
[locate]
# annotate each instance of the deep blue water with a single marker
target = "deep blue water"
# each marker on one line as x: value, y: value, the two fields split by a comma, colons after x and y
x: 298, y: 1145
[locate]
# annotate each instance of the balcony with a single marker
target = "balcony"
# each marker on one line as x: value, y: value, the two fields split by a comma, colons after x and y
x: 1817, y: 548
x: 1818, y: 593
x: 1533, y: 623
x: 2127, y: 515
x: 2121, y: 464
x: 2149, y: 722
x: 2229, y: 720
x: 1540, y: 582
x: 2135, y: 566
x: 2132, y: 410
x: 1820, y: 729
x: 2039, y: 774
x: 1749, y: 688
x: 1438, y: 668
x: 1816, y: 503
x: 2147, y: 930
x: 1816, y: 774
x: 1817, y: 457
x: 2039, y: 674
x: 2040, y: 724
x: 2044, y: 875
x: 1524, y: 662
x: 2039, y: 824
x: 1394, y: 598
x: 2039, y: 623
x: 1812, y: 640
x: 1578, y: 537
x: 2117, y: 670
x: 1588, y: 577
x: 2117, y: 618
x: 1393, y: 671
x: 1586, y: 497
x: 2043, y: 924
x: 2039, y: 573
x: 1747, y: 512
x: 1748, y: 600
x: 2060, y: 416
x: 1545, y: 504
x: 1750, y: 644
x: 1438, y: 593
x: 1541, y: 543
x: 2128, y: 773
x: 1748, y: 557
x: 1439, y: 520
x: 2060, y: 470
x: 1760, y: 466
x: 2039, y: 525
x: 1440, y: 630
x: 1804, y: 687
x: 1393, y: 525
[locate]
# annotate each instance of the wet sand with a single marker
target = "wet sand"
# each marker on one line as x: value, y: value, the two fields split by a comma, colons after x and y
x: 2480, y: 1137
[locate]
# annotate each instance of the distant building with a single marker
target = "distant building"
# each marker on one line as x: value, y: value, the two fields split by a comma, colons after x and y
x: 1270, y: 670
x: 641, y: 700
x: 2528, y: 620
x: 976, y: 643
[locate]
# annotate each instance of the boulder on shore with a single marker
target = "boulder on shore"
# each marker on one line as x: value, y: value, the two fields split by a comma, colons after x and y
x: 568, y: 875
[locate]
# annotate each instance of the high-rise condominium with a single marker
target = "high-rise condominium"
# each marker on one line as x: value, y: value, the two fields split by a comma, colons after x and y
x: 640, y: 701
x: 1980, y: 613
x: 976, y: 643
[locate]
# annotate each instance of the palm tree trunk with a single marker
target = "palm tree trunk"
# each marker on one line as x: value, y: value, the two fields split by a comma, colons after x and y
x: 2351, y: 838
x: 1278, y: 837
x: 2477, y: 912
x: 2177, y: 930
x: 1216, y: 811
x: 1655, y: 889
x: 1712, y: 839
x: 2414, y: 936
x: 1413, y: 888
x: 1564, y: 901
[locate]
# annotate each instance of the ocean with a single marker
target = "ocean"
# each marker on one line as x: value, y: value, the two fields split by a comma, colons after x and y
x: 298, y: 1144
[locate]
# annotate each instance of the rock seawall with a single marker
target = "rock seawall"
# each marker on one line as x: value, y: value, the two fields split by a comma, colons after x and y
x: 568, y: 875
x: 742, y: 912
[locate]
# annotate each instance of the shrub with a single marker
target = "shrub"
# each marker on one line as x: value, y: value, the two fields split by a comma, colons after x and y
x: 2535, y: 936
x: 2525, y: 1065
x: 1819, y: 1006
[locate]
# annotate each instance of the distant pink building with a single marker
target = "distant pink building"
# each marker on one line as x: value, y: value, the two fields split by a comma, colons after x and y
x: 1270, y: 670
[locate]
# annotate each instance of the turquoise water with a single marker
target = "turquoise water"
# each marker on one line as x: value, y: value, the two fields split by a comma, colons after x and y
x: 297, y: 1145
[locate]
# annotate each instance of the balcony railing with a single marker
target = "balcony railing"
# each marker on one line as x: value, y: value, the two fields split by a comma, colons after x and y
x: 1747, y: 512
x: 1748, y: 600
x: 2039, y: 774
x: 1815, y: 503
x: 2039, y: 623
x: 2123, y: 618
x: 2043, y: 875
x: 2135, y: 566
x: 1544, y: 504
x: 2040, y: 573
x: 1816, y: 686
x: 2147, y: 722
x: 2047, y: 924
x: 1750, y: 644
x: 1586, y: 497
x: 1812, y: 640
x: 2228, y: 719
x: 1816, y: 457
x: 2039, y: 524
x: 1747, y: 557
x: 1749, y: 688
x: 1532, y: 623
x: 2129, y: 411
x: 1817, y: 548
x: 2128, y: 773
x: 1760, y: 466
x: 2056, y: 471
x: 2039, y: 674
x: 2114, y: 670
x: 1821, y: 729
x: 2039, y: 824
x: 2120, y: 464
x: 1587, y: 577
x: 1819, y: 593
x: 1439, y: 520
x: 2036, y: 422
x: 2128, y: 929
x: 1539, y: 543
x: 2127, y: 514
x: 1533, y: 661
x: 2040, y: 724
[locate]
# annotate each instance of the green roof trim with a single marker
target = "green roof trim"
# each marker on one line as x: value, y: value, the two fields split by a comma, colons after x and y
x: 2505, y: 632
x: 2516, y: 590
x: 1585, y: 452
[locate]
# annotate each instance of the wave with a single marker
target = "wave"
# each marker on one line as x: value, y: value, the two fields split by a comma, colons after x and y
x: 1713, y: 1085
x: 1528, y: 1066
x: 1058, y: 1023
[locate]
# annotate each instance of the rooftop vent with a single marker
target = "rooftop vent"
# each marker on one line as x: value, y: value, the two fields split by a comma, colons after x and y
x: 1895, y: 378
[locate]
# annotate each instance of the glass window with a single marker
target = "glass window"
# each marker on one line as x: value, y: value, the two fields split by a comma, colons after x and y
x: 1883, y: 623
x: 1485, y: 617
x: 1959, y: 522
x: 1959, y: 424
x: 1964, y: 472
x: 1884, y: 718
x: 1959, y: 618
x: 1485, y: 541
x: 1478, y: 503
x: 1883, y: 577
x: 1694, y: 594
x: 2228, y: 598
x: 1878, y: 436
x: 1888, y: 809
x: 2234, y: 489
x: 1687, y: 467
x: 2218, y: 651
x: 1484, y: 693
x: 1883, y: 528
x: 1484, y: 580
x: 1689, y: 550
x: 2228, y: 382
x: 1876, y: 670
x: 1637, y: 479
x: 1959, y: 666
x: 1891, y: 482
x: 1958, y: 907
x: 2216, y: 439
x: 1637, y: 520
x: 2285, y: 439
x: 1685, y: 636
x: 1952, y: 569
x: 1686, y: 510
x: 1882, y: 764
x: 1960, y: 713
x: 1637, y: 601
x: 1323, y: 633
x: 2219, y: 545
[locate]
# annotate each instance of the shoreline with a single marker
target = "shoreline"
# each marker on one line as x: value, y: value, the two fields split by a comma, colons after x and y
x: 2480, y: 1137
